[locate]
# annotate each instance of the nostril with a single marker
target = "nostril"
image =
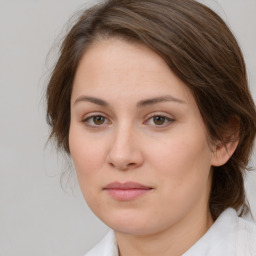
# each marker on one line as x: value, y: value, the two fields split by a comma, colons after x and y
x: 123, y: 166
x: 131, y: 164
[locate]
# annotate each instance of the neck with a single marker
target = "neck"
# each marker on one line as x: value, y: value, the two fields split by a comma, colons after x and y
x: 174, y: 241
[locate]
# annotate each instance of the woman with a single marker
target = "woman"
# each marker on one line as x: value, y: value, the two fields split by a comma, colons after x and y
x: 150, y: 99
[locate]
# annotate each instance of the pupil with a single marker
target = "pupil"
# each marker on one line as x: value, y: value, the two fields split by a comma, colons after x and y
x: 98, y: 120
x: 159, y: 120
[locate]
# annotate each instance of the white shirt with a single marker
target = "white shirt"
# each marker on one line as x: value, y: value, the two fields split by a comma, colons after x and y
x: 228, y: 236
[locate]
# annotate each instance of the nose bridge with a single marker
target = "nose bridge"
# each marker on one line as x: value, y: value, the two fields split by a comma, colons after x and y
x: 124, y: 152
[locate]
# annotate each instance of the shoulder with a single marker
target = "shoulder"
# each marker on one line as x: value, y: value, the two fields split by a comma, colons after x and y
x: 106, y: 247
x: 246, y: 238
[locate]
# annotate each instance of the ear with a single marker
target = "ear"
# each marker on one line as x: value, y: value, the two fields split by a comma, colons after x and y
x: 223, y: 150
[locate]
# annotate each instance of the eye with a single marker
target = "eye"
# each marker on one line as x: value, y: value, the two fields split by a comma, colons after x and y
x: 95, y: 121
x: 159, y: 120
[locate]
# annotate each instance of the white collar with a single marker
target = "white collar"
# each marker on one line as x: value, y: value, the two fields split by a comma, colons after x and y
x: 219, y: 240
x: 106, y: 247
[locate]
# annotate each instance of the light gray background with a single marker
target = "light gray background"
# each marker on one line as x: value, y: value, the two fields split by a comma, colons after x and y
x: 36, y: 216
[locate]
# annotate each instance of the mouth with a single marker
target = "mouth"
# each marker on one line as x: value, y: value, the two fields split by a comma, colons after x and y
x: 126, y: 191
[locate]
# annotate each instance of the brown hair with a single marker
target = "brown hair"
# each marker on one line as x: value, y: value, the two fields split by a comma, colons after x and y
x: 199, y: 48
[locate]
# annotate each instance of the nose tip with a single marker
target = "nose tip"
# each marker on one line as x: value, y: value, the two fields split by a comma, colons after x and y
x: 123, y: 164
x: 125, y: 159
x: 125, y: 152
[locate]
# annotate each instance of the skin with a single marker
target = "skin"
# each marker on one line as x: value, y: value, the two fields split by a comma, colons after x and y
x: 170, y: 154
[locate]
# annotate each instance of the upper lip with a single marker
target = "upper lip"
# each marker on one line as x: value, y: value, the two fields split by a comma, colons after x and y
x: 126, y: 185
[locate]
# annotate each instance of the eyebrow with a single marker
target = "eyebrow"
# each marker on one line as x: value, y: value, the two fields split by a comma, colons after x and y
x: 160, y: 99
x: 94, y: 100
x: 140, y: 104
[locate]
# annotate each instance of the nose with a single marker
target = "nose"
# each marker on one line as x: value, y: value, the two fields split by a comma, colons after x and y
x: 125, y: 153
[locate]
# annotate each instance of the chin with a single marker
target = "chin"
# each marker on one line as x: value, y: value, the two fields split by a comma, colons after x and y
x: 132, y: 229
x: 126, y: 221
x: 133, y: 224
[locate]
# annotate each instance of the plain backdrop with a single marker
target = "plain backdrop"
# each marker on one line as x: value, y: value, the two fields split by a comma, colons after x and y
x: 38, y: 217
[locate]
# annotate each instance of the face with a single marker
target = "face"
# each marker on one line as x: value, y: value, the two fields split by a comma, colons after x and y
x: 137, y: 139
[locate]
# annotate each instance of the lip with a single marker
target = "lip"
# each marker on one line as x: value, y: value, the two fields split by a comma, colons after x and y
x: 126, y: 191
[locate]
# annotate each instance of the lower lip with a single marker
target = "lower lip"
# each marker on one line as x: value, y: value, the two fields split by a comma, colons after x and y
x: 127, y: 194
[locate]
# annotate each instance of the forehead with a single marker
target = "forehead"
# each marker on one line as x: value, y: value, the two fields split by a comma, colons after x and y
x: 117, y: 67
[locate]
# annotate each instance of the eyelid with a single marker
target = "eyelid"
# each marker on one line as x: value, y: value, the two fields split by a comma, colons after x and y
x: 160, y: 114
x: 167, y: 117
x: 91, y: 115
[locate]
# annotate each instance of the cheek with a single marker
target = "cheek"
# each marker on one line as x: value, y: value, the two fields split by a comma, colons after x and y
x: 182, y: 170
x: 88, y: 155
x: 183, y: 165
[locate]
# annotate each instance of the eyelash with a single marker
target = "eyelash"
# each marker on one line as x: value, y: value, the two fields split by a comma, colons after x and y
x: 167, y: 120
x: 87, y: 119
